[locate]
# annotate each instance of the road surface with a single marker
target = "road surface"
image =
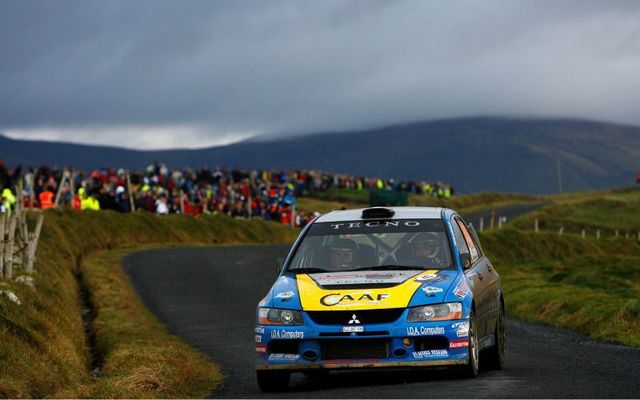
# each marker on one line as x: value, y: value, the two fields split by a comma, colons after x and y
x: 207, y: 296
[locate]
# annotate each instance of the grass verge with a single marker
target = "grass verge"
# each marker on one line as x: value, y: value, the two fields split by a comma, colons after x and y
x: 43, y: 348
x: 567, y: 281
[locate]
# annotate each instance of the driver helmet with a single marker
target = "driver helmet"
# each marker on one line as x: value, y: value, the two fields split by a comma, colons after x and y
x: 425, y: 245
x: 344, y: 253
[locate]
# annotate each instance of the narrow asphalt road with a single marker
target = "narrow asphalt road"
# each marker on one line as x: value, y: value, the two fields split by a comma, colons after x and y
x: 207, y: 296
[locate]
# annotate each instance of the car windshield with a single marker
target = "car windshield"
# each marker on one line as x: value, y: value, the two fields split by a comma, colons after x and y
x: 373, y: 244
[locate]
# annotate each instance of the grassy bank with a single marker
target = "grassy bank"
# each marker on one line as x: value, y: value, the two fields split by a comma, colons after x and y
x: 588, y: 284
x: 44, y: 351
x: 584, y: 284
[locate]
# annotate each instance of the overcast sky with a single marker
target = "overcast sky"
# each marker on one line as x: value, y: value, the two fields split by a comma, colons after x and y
x: 158, y: 74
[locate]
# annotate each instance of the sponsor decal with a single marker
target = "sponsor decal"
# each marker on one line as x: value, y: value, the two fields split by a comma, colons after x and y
x: 333, y: 299
x: 430, y: 354
x: 354, y: 319
x: 261, y: 348
x: 430, y: 278
x: 362, y: 278
x: 283, y: 357
x: 458, y: 344
x: 373, y: 224
x: 379, y: 276
x: 431, y: 291
x: 461, y: 328
x: 337, y: 277
x: 461, y: 290
x: 285, y: 295
x: 424, y: 330
x: 260, y: 330
x: 283, y: 334
x: 258, y: 339
x: 353, y: 328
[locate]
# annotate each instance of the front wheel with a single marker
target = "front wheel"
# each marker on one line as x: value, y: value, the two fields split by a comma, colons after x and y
x: 273, y: 381
x: 471, y: 370
x: 494, y: 356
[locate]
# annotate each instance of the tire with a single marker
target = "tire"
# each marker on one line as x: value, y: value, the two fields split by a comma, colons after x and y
x: 273, y: 381
x: 494, y: 357
x: 471, y: 370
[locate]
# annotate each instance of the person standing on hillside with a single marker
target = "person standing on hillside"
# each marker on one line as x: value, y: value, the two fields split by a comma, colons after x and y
x: 46, y: 198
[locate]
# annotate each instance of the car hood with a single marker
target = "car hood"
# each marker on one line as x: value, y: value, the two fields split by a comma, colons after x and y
x: 365, y: 290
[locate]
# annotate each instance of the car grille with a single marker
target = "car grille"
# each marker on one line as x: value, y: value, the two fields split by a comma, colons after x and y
x: 364, y: 316
x: 364, y: 349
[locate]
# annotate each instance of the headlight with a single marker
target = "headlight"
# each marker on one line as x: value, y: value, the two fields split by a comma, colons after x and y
x: 277, y: 316
x: 435, y: 312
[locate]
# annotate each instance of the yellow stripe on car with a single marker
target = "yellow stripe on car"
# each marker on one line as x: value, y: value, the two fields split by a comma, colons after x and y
x: 315, y: 298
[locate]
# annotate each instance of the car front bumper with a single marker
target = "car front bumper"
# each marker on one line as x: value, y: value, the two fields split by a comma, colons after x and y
x: 399, y: 344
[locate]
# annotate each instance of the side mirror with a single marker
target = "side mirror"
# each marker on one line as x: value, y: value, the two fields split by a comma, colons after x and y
x: 465, y: 258
x: 279, y: 264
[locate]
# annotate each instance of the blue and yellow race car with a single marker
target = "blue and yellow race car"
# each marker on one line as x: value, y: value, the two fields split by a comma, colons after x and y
x: 381, y: 287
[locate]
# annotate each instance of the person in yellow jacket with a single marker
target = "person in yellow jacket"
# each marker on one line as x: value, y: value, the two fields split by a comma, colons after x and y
x: 8, y: 200
x: 88, y: 202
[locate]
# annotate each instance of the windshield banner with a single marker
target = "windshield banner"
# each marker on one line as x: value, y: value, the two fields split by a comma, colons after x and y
x: 377, y: 226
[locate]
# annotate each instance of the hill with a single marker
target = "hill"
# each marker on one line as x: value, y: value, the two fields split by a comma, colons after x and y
x: 475, y: 154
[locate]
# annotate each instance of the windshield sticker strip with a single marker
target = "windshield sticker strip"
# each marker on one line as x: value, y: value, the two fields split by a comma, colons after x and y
x: 383, y: 226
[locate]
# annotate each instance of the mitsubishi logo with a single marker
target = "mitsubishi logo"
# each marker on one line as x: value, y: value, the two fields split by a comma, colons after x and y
x: 354, y: 319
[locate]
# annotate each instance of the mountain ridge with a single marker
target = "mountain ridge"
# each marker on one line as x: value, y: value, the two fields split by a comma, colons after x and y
x: 514, y: 154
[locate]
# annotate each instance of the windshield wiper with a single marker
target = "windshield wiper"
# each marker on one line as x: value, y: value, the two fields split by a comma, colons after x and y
x: 306, y: 270
x: 388, y: 267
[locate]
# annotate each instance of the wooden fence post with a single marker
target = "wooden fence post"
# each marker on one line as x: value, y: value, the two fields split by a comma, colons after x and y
x: 597, y: 233
x: 481, y: 224
x: 561, y: 231
x: 32, y: 192
x: 617, y: 233
x: 293, y: 216
x: 499, y: 222
x: 72, y: 187
x: 59, y: 193
x: 33, y: 244
x: 584, y: 234
x: 20, y: 236
x: 492, y: 217
x: 8, y: 251
x: 131, y: 199
x: 3, y: 218
x: 535, y: 225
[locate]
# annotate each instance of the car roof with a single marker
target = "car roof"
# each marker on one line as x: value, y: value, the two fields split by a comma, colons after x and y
x: 400, y: 213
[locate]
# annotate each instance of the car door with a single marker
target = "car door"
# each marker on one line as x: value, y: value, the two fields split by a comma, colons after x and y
x: 493, y: 282
x: 478, y: 273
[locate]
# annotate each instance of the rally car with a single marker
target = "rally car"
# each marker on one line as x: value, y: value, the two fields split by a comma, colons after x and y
x: 381, y: 287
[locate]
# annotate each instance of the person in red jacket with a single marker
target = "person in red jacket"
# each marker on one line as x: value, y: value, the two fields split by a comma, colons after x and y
x: 46, y: 198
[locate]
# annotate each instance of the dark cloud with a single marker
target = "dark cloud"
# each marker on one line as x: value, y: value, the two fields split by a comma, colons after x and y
x: 91, y: 70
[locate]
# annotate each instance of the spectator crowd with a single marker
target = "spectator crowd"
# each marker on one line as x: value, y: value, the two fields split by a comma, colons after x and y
x: 266, y: 194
